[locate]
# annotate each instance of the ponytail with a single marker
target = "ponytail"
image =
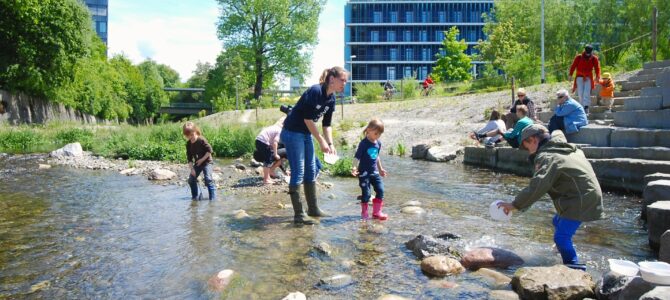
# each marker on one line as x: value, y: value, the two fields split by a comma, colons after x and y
x: 332, y: 72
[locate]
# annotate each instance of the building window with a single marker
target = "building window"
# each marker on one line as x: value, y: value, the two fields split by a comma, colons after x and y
x: 425, y: 54
x: 408, y: 36
x: 390, y: 36
x: 102, y: 27
x: 439, y: 36
x: 390, y: 73
x: 423, y: 35
x: 393, y: 53
x: 425, y: 17
x: 377, y: 17
x: 409, y: 16
x: 458, y: 16
x: 423, y: 72
x: 394, y: 17
x: 374, y: 36
x: 408, y: 72
x: 442, y: 17
x: 409, y: 54
x: 474, y: 16
x: 472, y: 35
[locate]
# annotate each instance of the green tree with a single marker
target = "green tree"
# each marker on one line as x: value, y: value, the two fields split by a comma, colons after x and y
x: 40, y: 43
x: 154, y: 96
x: 452, y: 62
x: 230, y: 77
x: 133, y: 82
x: 169, y: 75
x: 278, y: 34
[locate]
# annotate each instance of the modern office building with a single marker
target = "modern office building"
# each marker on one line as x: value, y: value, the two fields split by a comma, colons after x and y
x: 99, y: 12
x: 395, y: 39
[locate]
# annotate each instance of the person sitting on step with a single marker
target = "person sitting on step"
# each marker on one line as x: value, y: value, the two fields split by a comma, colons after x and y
x: 569, y: 115
x: 513, y: 137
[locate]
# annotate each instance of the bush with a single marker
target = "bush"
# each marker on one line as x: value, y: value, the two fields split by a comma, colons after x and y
x: 74, y: 135
x: 20, y: 140
x: 232, y: 142
x: 369, y: 92
x: 410, y: 88
x: 342, y: 167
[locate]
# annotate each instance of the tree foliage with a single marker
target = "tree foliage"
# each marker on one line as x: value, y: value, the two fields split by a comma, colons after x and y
x: 274, y: 35
x: 452, y: 62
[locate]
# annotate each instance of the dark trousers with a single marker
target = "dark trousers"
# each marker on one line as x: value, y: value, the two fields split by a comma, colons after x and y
x: 556, y: 123
x: 375, y: 180
x: 207, y: 170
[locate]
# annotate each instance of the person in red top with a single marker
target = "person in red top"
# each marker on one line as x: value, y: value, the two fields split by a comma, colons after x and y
x: 427, y: 85
x: 585, y: 63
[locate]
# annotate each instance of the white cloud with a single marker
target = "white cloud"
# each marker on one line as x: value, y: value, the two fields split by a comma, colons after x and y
x: 330, y: 50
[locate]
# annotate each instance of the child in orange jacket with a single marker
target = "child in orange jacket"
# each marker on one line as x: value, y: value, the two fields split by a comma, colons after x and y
x: 607, y: 90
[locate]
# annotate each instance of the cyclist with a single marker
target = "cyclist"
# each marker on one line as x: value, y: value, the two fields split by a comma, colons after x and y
x: 427, y: 85
x: 389, y: 89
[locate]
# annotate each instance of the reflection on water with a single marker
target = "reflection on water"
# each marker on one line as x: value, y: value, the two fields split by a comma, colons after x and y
x: 68, y: 233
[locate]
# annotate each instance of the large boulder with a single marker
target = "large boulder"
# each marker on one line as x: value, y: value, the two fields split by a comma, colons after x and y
x: 425, y: 245
x: 443, y: 153
x: 658, y: 293
x: 71, y: 150
x: 441, y: 265
x: 557, y: 282
x: 488, y: 257
x: 419, y: 151
x: 161, y: 174
x: 664, y: 250
x: 658, y: 222
x: 617, y: 287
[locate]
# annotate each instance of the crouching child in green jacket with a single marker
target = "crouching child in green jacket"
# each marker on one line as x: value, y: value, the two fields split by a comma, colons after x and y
x: 562, y: 171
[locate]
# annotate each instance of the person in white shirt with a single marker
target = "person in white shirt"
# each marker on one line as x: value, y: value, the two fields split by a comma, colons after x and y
x: 267, y: 150
x: 494, y: 123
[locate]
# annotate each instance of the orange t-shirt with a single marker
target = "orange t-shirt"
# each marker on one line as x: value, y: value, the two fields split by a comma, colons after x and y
x: 606, y: 88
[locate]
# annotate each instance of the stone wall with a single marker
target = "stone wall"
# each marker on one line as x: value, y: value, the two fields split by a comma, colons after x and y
x: 23, y: 109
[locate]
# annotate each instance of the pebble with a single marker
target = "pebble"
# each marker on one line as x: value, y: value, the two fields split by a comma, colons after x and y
x: 40, y: 285
x: 411, y: 203
x: 295, y: 296
x: 336, y: 281
x: 219, y: 281
x: 412, y: 210
x: 44, y: 166
x: 240, y: 214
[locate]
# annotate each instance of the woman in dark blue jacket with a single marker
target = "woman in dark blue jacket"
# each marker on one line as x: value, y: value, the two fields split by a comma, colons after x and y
x: 299, y: 130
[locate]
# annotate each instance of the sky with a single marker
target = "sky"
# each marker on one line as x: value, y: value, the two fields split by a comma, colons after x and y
x: 180, y: 33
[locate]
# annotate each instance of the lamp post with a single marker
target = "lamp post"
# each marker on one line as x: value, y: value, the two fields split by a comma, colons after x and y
x: 543, y: 77
x: 351, y: 70
x: 237, y: 94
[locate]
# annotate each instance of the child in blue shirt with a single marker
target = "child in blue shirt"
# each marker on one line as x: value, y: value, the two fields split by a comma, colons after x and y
x: 368, y: 168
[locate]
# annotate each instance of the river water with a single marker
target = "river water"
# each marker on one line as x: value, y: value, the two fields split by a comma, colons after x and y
x: 68, y: 233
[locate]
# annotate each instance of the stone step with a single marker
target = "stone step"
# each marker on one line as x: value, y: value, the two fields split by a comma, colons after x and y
x: 632, y: 93
x: 647, y: 153
x: 601, y: 116
x: 644, y: 77
x: 626, y: 173
x: 545, y: 116
x: 663, y: 92
x: 602, y: 109
x: 601, y: 122
x: 643, y: 103
x: 595, y: 135
x: 657, y: 64
x: 657, y: 119
x: 663, y: 79
x: 654, y: 71
x: 639, y: 137
x: 636, y: 85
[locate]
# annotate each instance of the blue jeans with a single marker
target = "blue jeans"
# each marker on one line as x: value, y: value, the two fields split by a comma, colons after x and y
x: 301, y: 157
x: 206, y: 169
x: 366, y: 180
x: 564, y: 229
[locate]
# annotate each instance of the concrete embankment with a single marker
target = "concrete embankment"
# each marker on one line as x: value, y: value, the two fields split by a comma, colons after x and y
x: 24, y: 109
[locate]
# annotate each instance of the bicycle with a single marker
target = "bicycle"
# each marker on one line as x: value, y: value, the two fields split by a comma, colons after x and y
x: 388, y: 94
x: 427, y: 91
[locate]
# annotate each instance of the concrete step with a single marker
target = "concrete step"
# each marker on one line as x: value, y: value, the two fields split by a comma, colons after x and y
x: 648, y: 153
x: 652, y: 71
x: 643, y: 103
x: 602, y: 109
x: 657, y: 119
x: 663, y: 79
x: 657, y: 64
x: 545, y: 116
x: 639, y: 137
x: 636, y: 85
x: 602, y: 116
x: 644, y: 77
x: 601, y: 122
x: 658, y: 91
x: 632, y: 93
x: 626, y: 173
x: 594, y: 135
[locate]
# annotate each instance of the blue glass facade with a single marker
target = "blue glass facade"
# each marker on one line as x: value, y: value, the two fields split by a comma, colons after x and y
x: 99, y: 12
x: 395, y: 39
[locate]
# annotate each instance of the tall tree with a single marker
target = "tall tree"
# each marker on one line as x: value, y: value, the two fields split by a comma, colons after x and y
x: 452, y: 62
x: 231, y: 77
x: 277, y: 34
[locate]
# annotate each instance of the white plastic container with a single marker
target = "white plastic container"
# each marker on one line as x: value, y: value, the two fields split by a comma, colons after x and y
x: 498, y: 213
x: 655, y: 272
x: 330, y: 159
x: 623, y: 267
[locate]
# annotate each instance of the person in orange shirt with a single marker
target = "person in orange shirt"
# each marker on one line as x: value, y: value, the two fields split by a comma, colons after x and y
x: 585, y: 64
x: 607, y: 90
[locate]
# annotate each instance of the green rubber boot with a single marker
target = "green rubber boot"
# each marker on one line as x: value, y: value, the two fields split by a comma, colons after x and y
x: 299, y: 216
x: 310, y: 195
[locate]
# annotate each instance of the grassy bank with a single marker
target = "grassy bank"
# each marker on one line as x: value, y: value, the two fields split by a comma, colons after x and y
x: 156, y: 142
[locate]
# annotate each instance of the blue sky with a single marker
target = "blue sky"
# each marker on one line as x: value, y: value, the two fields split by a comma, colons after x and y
x: 181, y: 33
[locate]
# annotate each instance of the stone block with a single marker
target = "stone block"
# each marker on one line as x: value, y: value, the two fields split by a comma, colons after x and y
x: 643, y: 77
x: 545, y: 116
x: 479, y: 156
x: 664, y: 250
x: 640, y: 137
x: 557, y: 282
x: 657, y: 119
x: 626, y: 173
x: 636, y: 85
x: 656, y: 64
x: 514, y: 161
x: 658, y: 293
x: 627, y: 93
x: 663, y: 79
x: 653, y: 71
x: 595, y: 135
x: 657, y: 190
x: 648, y: 153
x: 658, y: 222
x: 443, y: 153
x: 656, y: 176
x: 644, y: 103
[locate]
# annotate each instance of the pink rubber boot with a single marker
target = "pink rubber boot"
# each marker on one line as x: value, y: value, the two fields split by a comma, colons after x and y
x: 377, y: 213
x: 364, y: 211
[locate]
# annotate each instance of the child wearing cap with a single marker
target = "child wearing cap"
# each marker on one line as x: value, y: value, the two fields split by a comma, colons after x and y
x: 607, y: 90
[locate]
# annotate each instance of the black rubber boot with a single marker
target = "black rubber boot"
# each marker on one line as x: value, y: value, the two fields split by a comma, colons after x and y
x: 310, y: 195
x: 299, y: 216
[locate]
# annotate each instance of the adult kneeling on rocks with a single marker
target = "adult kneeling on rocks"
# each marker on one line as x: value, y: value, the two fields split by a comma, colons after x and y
x: 563, y: 171
x: 300, y: 125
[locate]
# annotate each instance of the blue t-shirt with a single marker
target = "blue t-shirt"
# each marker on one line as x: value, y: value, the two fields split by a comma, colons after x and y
x: 368, y: 154
x: 313, y: 104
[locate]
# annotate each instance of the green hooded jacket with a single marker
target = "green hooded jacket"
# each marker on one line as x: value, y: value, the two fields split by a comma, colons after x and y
x: 563, y: 171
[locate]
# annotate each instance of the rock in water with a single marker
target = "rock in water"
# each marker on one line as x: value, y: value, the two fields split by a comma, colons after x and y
x: 295, y: 296
x: 43, y: 167
x: 322, y: 248
x: 73, y: 150
x: 441, y: 265
x: 424, y: 245
x: 127, y: 171
x: 411, y: 203
x: 240, y: 214
x: 222, y: 279
x: 391, y: 297
x: 557, y: 282
x: 443, y: 153
x: 412, y: 210
x: 419, y: 151
x: 497, y: 278
x: 503, y: 295
x: 336, y: 281
x: 490, y: 258
x: 161, y: 174
x: 658, y: 293
x: 614, y: 286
